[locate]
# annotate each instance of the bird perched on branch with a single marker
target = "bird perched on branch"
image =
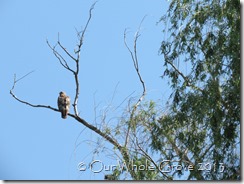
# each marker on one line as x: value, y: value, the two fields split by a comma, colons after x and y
x: 63, y: 104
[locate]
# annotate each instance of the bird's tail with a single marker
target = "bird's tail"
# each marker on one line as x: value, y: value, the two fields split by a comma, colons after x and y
x: 64, y: 114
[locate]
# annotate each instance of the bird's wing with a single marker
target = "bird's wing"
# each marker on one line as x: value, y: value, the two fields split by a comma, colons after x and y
x: 61, y: 102
x: 67, y: 100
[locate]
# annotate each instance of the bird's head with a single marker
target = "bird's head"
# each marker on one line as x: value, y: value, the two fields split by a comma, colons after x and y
x: 61, y: 93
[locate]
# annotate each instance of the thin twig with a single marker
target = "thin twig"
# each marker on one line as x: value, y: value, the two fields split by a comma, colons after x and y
x: 124, y: 100
x: 32, y: 105
x: 186, y: 79
x: 65, y: 50
x: 62, y: 61
x: 83, y: 32
x: 24, y: 76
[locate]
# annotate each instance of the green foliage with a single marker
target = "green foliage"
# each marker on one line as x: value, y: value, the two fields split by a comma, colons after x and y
x: 141, y: 164
x: 202, y: 124
x: 205, y: 112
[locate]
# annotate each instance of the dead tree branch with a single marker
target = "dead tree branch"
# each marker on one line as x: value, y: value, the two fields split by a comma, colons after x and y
x: 121, y: 149
x: 64, y: 63
x: 61, y: 59
x: 81, y: 37
x: 79, y: 119
x: 24, y: 102
x: 77, y: 91
x: 136, y: 66
x: 65, y: 50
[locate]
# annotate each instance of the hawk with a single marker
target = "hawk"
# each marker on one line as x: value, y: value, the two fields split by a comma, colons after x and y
x: 63, y: 104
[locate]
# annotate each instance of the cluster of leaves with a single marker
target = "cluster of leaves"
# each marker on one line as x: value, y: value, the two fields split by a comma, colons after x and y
x: 202, y: 124
x: 205, y: 113
x: 135, y: 128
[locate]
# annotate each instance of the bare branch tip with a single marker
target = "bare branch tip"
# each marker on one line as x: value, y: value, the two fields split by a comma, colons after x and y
x: 93, y: 5
x: 23, y: 76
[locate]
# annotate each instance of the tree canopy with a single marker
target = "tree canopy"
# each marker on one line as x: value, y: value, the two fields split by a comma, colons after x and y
x: 202, y: 59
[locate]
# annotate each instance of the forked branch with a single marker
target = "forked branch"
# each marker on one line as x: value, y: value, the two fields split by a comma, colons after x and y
x: 61, y: 59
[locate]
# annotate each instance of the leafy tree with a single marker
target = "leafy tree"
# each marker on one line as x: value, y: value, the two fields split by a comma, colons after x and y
x: 203, y: 123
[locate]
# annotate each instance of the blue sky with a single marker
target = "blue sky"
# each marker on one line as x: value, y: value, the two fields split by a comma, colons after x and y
x: 37, y: 143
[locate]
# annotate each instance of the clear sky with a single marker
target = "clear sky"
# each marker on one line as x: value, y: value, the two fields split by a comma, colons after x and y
x: 36, y: 143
